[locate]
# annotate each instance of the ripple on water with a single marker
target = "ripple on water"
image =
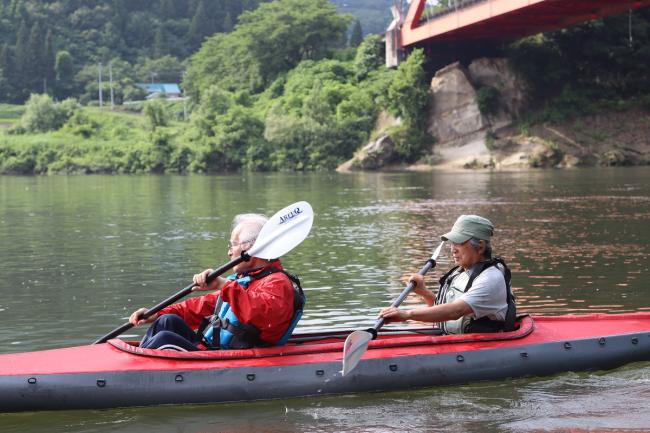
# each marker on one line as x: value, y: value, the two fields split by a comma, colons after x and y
x: 589, y: 401
x: 369, y: 233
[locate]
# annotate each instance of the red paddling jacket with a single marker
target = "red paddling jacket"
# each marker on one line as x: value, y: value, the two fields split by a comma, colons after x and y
x: 267, y: 303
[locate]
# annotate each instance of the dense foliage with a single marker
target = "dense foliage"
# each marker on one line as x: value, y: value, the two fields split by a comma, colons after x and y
x: 42, y: 114
x: 267, y: 42
x: 56, y: 46
x: 599, y: 64
x: 311, y: 116
x: 286, y: 88
x: 408, y: 96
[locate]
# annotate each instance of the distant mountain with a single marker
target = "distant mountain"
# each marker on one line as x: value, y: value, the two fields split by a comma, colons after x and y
x: 373, y: 14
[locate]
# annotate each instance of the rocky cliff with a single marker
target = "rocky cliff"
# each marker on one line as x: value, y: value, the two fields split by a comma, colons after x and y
x: 474, y: 117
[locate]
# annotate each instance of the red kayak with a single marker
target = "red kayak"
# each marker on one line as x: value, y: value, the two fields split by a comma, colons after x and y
x: 120, y: 374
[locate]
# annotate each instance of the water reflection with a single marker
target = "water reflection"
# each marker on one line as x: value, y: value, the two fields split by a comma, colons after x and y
x: 80, y: 253
x: 87, y: 251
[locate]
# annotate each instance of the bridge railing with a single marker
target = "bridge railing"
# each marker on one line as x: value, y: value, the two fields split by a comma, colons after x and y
x: 434, y: 11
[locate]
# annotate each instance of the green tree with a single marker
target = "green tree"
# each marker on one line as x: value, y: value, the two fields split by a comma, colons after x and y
x: 48, y: 60
x: 356, y: 37
x: 64, y: 74
x: 236, y: 7
x: 408, y: 92
x: 171, y: 9
x: 370, y: 56
x: 8, y: 67
x: 229, y: 135
x: 267, y: 42
x: 110, y: 40
x: 123, y: 81
x: 237, y: 131
x: 5, y: 90
x: 22, y: 60
x: 580, y: 65
x: 214, y: 102
x: 93, y: 31
x: 36, y: 65
x: 166, y: 69
x: 227, y: 24
x: 356, y: 116
x: 159, y: 42
x: 156, y: 114
x: 17, y: 10
x: 43, y: 114
x: 139, y: 31
x: 320, y: 119
x: 201, y: 27
x: 408, y: 96
x: 217, y: 12
x: 285, y: 32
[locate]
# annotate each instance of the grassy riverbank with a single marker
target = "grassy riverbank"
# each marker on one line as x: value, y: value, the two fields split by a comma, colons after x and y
x: 9, y: 114
x: 124, y: 142
x: 104, y: 142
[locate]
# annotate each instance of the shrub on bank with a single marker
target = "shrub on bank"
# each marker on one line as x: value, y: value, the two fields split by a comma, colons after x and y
x: 42, y: 114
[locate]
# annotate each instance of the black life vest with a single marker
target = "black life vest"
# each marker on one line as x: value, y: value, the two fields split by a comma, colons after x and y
x: 484, y: 324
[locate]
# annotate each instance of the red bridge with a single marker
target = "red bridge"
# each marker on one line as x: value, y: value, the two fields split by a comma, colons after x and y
x: 473, y: 20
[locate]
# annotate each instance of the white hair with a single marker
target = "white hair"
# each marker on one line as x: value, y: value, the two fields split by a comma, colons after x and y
x: 476, y: 244
x: 248, y: 226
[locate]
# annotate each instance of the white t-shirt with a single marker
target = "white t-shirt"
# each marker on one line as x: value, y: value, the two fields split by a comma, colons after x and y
x: 488, y: 295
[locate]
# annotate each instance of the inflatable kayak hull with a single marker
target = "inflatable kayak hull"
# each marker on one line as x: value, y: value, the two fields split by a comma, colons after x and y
x: 119, y: 374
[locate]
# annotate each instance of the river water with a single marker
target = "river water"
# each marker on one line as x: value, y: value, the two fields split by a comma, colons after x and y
x: 80, y: 253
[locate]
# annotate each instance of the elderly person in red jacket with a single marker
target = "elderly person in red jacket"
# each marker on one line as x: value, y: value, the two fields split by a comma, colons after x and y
x: 253, y: 307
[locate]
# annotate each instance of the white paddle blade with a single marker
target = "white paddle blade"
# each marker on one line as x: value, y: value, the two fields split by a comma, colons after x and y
x: 436, y: 253
x: 283, y: 231
x: 354, y: 348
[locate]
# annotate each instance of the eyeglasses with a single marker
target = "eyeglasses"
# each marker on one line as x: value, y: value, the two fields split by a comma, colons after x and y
x: 232, y: 245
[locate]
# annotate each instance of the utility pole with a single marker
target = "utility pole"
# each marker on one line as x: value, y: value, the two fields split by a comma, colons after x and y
x: 99, y: 79
x: 629, y: 27
x: 184, y: 98
x: 110, y: 80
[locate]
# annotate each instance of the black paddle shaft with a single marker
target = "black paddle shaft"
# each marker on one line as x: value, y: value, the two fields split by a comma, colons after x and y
x: 431, y: 263
x: 186, y: 291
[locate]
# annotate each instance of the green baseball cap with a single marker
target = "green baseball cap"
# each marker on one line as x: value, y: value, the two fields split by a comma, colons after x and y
x: 469, y: 226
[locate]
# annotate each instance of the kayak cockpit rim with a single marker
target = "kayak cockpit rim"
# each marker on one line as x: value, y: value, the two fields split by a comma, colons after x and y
x: 526, y: 326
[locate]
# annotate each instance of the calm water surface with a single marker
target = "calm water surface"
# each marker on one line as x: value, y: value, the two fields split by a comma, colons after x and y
x: 80, y: 253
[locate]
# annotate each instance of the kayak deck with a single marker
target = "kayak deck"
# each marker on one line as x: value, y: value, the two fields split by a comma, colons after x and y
x: 117, y: 355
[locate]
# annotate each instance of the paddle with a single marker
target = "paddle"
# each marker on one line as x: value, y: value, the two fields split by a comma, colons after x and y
x: 357, y: 343
x: 282, y: 232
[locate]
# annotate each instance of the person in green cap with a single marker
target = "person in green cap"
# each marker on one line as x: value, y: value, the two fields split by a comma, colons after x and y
x: 475, y: 295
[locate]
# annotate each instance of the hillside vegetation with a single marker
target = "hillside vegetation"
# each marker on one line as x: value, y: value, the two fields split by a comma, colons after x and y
x: 284, y: 91
x: 277, y: 93
x: 56, y: 46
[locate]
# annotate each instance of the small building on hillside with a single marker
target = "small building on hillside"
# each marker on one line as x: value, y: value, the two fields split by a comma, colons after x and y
x: 161, y: 90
